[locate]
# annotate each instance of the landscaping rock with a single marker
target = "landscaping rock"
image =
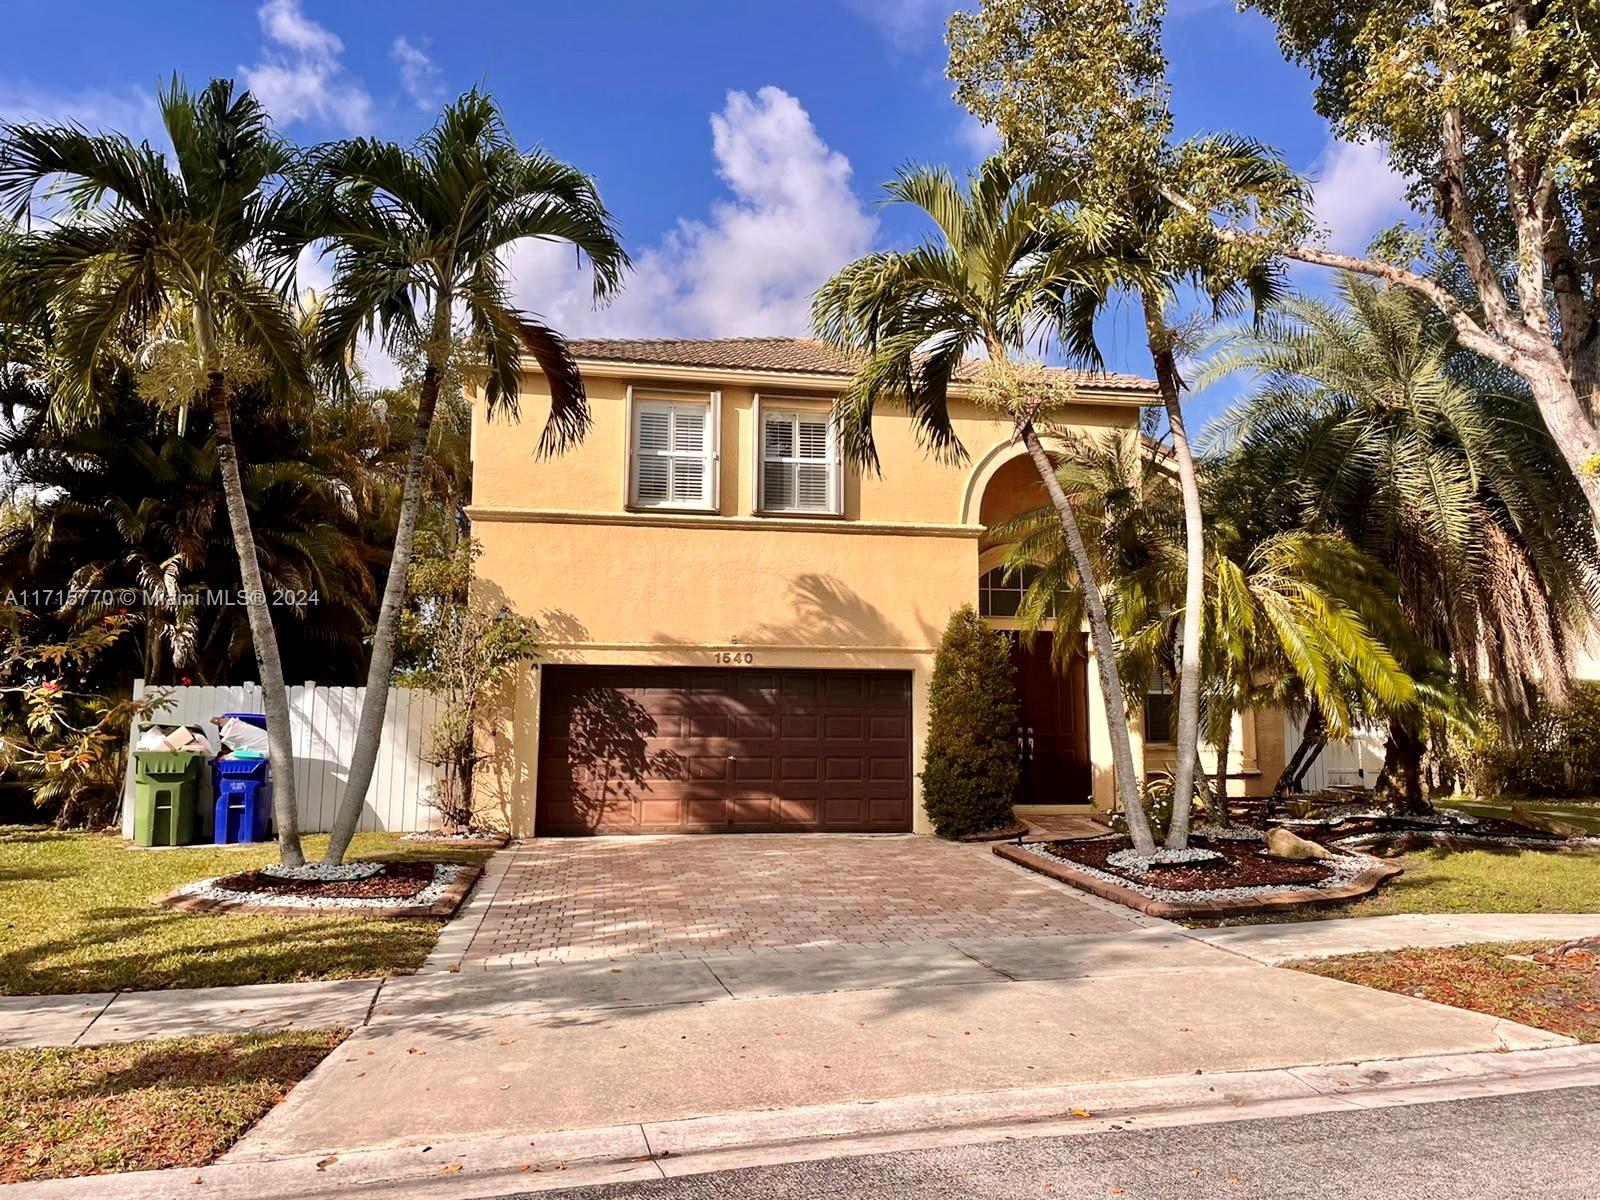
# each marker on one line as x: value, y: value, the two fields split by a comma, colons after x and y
x: 1294, y: 848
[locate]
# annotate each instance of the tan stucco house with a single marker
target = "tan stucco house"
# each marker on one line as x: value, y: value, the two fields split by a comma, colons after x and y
x: 739, y: 628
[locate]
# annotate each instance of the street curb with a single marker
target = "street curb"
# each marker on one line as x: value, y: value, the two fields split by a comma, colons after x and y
x: 521, y: 1162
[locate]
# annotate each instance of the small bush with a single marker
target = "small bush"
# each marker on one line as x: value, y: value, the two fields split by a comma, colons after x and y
x: 970, y: 770
x: 1557, y: 753
x: 1156, y: 800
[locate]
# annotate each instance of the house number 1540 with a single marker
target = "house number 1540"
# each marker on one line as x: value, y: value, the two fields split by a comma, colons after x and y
x: 734, y: 657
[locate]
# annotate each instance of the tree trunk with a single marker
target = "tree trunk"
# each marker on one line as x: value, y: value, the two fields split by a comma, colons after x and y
x: 1127, y: 784
x: 280, y: 746
x: 369, y: 729
x: 1571, y: 428
x: 1400, y: 782
x: 1312, y: 735
x: 1187, y: 734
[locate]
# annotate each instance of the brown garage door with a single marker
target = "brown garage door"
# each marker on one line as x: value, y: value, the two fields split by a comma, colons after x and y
x: 691, y: 750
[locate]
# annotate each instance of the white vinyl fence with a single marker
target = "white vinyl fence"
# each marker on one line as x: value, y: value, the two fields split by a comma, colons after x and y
x: 1352, y: 763
x: 323, y: 727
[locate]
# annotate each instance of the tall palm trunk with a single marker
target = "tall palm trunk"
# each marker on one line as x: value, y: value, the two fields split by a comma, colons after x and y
x: 1105, y: 651
x: 280, y: 745
x: 1187, y: 735
x: 374, y: 705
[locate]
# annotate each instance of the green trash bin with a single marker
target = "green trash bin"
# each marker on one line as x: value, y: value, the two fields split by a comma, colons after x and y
x: 166, y: 792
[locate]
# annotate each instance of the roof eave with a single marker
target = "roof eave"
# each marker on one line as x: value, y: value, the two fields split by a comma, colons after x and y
x: 612, y: 368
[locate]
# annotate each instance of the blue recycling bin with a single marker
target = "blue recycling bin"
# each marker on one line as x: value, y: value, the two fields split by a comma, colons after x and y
x: 244, y: 800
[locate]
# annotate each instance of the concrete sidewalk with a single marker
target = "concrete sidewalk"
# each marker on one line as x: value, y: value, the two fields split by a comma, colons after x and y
x: 547, y: 1048
x: 1288, y: 941
x: 1149, y: 947
x: 102, y: 1017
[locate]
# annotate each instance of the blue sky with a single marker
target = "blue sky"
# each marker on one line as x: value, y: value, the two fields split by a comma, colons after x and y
x: 740, y: 144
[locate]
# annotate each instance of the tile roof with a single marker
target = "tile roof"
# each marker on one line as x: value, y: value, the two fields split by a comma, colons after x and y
x: 802, y: 356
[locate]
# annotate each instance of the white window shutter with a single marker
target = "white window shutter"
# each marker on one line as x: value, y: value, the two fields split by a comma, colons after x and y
x: 799, y: 463
x: 672, y: 455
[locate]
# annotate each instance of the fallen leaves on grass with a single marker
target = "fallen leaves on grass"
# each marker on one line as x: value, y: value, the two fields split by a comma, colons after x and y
x: 143, y: 1106
x: 1519, y: 981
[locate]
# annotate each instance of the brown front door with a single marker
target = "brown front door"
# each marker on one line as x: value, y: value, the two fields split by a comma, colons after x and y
x: 699, y: 750
x: 1053, y: 725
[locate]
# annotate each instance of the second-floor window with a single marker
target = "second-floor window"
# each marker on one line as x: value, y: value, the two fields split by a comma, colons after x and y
x: 673, y: 463
x: 799, y: 463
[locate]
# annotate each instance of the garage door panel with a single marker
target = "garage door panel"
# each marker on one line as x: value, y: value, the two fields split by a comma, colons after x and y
x: 753, y: 770
x: 799, y: 769
x: 651, y: 749
x: 799, y: 727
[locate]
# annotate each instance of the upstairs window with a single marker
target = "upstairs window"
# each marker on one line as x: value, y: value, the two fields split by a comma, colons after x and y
x: 799, y: 463
x: 673, y: 462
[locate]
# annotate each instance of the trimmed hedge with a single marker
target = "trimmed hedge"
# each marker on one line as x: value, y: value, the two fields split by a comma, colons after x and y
x: 970, y: 769
x: 1556, y: 754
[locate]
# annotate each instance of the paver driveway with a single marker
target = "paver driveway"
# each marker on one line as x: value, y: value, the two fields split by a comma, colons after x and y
x: 567, y: 899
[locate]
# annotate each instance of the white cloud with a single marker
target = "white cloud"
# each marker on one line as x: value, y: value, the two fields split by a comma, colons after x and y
x: 979, y: 140
x: 750, y: 267
x: 905, y: 23
x: 132, y: 112
x: 419, y: 74
x: 301, y: 75
x: 1357, y: 193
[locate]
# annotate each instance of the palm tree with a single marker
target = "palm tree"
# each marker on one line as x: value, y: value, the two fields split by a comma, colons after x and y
x: 127, y: 504
x: 146, y: 248
x: 1291, y: 620
x: 1006, y: 266
x: 1157, y: 234
x: 417, y: 235
x: 1364, y: 421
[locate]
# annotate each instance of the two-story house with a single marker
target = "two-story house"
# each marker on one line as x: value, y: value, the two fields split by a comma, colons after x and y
x: 740, y: 628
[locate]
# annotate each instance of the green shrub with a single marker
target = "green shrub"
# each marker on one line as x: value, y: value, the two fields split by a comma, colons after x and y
x: 969, y: 773
x: 1156, y: 800
x: 1557, y: 753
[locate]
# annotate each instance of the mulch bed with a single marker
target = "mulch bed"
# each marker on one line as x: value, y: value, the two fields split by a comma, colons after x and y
x: 264, y: 895
x: 1246, y: 866
x: 1248, y: 882
x: 397, y: 881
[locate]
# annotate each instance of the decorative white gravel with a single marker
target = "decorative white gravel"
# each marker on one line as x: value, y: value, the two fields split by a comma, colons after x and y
x: 1345, y: 867
x: 324, y: 872
x: 444, y: 874
x: 1449, y: 820
x: 1229, y: 833
x: 1194, y: 856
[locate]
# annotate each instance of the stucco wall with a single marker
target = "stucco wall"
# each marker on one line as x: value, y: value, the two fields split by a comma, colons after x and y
x: 609, y: 586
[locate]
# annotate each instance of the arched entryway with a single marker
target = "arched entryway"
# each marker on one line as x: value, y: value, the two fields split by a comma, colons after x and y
x: 1053, y: 736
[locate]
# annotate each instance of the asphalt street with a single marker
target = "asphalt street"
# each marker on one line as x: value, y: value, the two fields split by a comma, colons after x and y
x: 1544, y: 1144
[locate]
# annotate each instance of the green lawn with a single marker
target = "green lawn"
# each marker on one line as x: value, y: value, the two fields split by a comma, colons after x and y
x: 78, y: 913
x: 1469, y: 881
x: 1503, y: 980
x: 143, y: 1106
